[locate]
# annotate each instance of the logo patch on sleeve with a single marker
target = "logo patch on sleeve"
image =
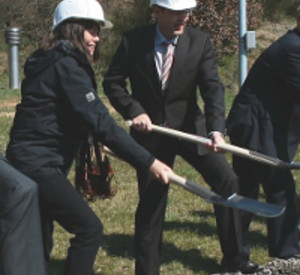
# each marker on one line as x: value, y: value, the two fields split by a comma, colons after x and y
x: 90, y: 96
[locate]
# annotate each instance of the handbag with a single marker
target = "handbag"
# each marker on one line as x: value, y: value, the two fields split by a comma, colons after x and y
x: 93, y: 171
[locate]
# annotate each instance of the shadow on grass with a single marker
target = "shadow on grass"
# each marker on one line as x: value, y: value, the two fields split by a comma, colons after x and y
x: 203, y: 227
x: 119, y: 245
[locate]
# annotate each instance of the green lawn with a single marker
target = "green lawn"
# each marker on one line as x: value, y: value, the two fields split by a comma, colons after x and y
x: 190, y: 242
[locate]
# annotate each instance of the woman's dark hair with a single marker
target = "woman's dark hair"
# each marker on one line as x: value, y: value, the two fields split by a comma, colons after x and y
x: 72, y: 30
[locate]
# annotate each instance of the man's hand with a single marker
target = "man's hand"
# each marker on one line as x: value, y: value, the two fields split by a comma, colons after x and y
x: 217, y: 138
x: 142, y: 123
x: 160, y: 171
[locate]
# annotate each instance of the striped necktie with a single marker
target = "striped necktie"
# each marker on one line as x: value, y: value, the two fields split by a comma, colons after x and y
x: 166, y: 64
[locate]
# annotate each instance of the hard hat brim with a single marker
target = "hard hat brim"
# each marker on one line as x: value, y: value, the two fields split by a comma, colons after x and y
x: 107, y: 24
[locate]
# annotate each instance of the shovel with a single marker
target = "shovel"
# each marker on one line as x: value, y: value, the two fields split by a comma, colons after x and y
x: 242, y: 152
x: 236, y: 201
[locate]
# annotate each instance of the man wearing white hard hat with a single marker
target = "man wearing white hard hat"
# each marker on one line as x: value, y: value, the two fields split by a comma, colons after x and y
x: 59, y: 109
x: 166, y: 63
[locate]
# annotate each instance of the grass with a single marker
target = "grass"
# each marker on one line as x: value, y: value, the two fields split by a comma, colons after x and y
x: 190, y: 241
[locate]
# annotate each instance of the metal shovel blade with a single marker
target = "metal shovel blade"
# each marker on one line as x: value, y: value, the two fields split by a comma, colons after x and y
x: 263, y: 209
x: 236, y: 201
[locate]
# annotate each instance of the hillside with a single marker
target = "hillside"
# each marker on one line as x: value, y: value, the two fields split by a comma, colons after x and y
x: 218, y: 17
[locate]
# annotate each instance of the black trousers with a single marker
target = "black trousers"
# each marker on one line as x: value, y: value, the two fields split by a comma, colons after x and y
x: 61, y: 202
x: 151, y: 209
x: 279, y: 188
x: 21, y: 248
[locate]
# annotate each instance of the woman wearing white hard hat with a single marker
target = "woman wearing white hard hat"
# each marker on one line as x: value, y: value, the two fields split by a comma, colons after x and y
x: 59, y: 107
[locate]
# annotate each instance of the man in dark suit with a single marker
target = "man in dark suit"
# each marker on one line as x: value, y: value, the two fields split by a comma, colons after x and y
x: 265, y: 117
x: 173, y: 102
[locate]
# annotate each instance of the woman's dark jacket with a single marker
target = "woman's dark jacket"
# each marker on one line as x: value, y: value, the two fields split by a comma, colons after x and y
x: 59, y: 106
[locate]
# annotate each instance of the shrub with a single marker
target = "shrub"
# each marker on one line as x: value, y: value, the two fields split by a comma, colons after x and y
x: 276, y: 9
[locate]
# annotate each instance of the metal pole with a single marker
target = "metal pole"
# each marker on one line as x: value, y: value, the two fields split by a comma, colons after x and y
x: 242, y: 41
x: 13, y: 40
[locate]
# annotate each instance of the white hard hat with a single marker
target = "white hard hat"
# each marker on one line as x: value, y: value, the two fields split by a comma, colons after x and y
x: 175, y: 5
x: 79, y: 9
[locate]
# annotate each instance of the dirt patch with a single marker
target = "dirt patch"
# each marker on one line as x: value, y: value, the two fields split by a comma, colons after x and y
x: 7, y: 114
x: 8, y: 104
x: 7, y: 108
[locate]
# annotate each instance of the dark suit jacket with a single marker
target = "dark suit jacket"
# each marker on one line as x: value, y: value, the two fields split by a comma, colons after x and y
x: 265, y: 115
x: 194, y: 66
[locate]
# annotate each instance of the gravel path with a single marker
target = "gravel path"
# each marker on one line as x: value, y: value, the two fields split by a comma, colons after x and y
x: 275, y: 267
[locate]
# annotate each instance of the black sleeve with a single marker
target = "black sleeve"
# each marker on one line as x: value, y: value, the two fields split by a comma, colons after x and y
x: 79, y: 92
x: 212, y: 90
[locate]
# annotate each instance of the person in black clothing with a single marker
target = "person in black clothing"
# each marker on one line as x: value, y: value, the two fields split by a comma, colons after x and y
x: 165, y: 93
x: 21, y: 246
x: 265, y: 117
x: 59, y: 107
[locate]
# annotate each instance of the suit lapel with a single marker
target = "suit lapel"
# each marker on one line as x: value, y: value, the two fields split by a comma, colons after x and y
x: 148, y: 46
